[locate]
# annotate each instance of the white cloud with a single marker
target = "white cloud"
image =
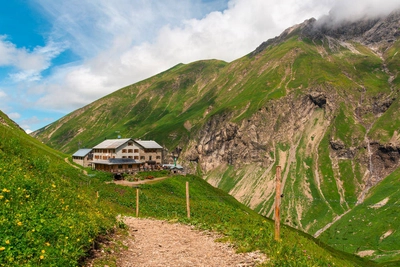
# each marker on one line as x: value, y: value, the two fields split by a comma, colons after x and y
x: 2, y: 94
x: 357, y: 9
x: 28, y: 64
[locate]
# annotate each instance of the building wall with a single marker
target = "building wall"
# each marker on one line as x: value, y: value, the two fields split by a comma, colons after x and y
x: 83, y: 161
x: 128, y: 150
x: 78, y: 160
x: 151, y: 155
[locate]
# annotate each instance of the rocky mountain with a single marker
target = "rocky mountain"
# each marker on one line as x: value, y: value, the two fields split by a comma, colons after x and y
x: 321, y: 100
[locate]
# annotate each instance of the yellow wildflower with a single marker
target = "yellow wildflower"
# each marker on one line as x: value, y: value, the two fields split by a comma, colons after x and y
x: 27, y: 196
x: 47, y: 244
x: 2, y: 248
x: 43, y: 251
x: 6, y: 190
x: 1, y: 196
x: 7, y: 242
x: 41, y: 257
x: 19, y: 223
x: 53, y: 185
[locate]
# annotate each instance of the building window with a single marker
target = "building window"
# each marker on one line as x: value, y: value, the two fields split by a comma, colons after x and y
x: 150, y: 157
x: 158, y: 157
x: 123, y: 150
x: 142, y: 157
x: 136, y: 157
x: 130, y: 157
x: 136, y: 150
x: 130, y: 143
x: 130, y: 166
x: 119, y: 166
x: 124, y: 157
x: 130, y: 150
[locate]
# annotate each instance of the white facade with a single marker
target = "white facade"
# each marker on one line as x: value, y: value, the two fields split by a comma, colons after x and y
x: 116, y: 148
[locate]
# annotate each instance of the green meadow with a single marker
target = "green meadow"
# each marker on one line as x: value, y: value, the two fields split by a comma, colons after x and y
x: 51, y: 214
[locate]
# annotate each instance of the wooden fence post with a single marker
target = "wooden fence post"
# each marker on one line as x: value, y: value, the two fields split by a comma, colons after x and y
x: 277, y: 203
x: 137, y: 202
x: 187, y: 200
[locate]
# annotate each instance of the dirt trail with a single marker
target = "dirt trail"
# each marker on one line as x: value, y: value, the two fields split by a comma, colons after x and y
x: 131, y: 184
x: 67, y: 161
x: 159, y: 243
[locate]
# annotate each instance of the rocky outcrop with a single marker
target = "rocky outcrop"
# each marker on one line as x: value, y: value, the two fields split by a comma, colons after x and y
x: 385, y: 159
x: 341, y: 151
x: 222, y: 141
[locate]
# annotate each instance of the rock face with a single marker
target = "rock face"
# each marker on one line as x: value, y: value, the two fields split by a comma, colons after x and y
x: 253, y: 140
x: 384, y: 159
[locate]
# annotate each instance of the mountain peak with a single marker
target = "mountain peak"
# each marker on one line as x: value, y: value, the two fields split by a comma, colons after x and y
x: 367, y: 30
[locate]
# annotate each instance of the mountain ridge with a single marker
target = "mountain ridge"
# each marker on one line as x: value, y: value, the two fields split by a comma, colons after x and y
x: 369, y: 31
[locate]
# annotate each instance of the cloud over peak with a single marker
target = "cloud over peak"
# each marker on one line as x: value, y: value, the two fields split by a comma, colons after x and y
x: 350, y: 11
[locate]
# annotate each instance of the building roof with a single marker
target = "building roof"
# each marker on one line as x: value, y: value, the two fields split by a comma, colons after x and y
x: 149, y: 144
x: 112, y: 143
x: 82, y: 152
x: 117, y: 161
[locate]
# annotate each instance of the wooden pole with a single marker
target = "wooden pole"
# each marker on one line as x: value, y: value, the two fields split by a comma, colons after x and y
x: 277, y: 203
x: 137, y: 202
x: 187, y: 200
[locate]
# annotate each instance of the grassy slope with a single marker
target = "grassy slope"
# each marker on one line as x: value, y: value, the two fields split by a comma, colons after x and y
x: 364, y: 227
x: 49, y: 215
x: 48, y: 212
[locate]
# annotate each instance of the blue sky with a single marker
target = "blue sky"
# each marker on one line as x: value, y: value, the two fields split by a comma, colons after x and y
x: 58, y: 56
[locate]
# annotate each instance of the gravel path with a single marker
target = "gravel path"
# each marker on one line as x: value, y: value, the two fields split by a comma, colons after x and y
x: 159, y: 243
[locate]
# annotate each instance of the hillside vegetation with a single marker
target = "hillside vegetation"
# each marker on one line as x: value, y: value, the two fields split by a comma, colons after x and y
x: 50, y: 214
x: 323, y: 103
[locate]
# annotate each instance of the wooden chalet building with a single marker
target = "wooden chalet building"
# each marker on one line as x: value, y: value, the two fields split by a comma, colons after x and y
x: 127, y: 155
